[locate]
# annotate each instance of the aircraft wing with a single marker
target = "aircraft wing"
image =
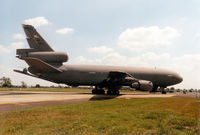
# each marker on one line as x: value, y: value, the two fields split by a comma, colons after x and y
x: 40, y: 66
x: 118, y: 79
x: 118, y: 74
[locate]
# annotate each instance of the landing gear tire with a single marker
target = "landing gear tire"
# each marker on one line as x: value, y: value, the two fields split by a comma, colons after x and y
x: 101, y: 92
x: 94, y: 91
x: 109, y: 92
x: 113, y: 92
x: 154, y: 90
x: 117, y: 92
x: 164, y: 92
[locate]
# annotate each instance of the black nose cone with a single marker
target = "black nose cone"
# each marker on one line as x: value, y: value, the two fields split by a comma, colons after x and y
x: 179, y: 79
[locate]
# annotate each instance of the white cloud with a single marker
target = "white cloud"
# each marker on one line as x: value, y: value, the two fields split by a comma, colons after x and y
x: 188, y: 62
x: 4, y: 49
x: 188, y: 66
x: 65, y: 31
x: 146, y: 38
x: 80, y: 59
x: 149, y: 59
x: 154, y: 58
x: 17, y: 45
x: 197, y: 36
x: 83, y: 60
x: 100, y: 49
x: 114, y: 58
x: 18, y: 36
x: 10, y: 48
x: 37, y: 21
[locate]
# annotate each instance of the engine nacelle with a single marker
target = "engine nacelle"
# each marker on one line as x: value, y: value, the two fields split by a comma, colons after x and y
x: 51, y: 57
x: 142, y: 85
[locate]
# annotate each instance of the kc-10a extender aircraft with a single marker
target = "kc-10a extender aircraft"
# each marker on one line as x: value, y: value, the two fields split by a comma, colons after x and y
x: 45, y: 63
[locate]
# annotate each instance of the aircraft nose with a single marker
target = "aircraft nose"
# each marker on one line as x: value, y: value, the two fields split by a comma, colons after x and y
x: 179, y: 78
x: 175, y: 78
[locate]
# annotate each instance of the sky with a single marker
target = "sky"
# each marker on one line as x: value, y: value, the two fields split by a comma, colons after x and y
x: 138, y: 33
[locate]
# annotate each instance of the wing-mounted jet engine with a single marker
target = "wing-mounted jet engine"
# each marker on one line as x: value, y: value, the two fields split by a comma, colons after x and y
x: 48, y: 57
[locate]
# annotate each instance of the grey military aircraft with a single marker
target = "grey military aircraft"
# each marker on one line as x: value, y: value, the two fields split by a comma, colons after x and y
x: 45, y: 63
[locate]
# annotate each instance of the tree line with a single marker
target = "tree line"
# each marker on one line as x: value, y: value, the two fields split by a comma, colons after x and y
x: 6, y: 82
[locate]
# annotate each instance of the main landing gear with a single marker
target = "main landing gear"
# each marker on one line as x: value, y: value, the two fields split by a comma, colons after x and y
x: 98, y: 91
x: 163, y: 91
x: 101, y: 91
x: 113, y: 92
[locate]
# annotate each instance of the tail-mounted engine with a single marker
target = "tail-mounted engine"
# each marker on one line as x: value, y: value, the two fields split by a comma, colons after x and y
x: 49, y: 57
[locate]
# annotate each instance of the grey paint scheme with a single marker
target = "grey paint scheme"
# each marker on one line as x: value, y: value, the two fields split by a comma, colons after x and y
x: 86, y: 74
x: 95, y: 74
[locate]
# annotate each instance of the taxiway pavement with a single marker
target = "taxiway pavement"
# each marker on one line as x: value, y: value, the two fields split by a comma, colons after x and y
x: 14, y: 100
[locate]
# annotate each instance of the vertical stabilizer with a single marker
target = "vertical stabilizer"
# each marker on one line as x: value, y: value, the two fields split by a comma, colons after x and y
x: 34, y: 39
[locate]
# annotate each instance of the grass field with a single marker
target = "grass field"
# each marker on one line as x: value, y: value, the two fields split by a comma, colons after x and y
x: 112, y: 117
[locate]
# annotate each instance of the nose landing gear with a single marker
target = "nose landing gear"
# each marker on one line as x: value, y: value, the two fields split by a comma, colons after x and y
x: 161, y: 89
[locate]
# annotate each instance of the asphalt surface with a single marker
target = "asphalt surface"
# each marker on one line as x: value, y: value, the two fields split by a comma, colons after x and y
x: 10, y: 101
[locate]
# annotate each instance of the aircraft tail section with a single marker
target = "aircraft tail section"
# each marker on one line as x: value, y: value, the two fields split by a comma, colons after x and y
x: 40, y: 57
x: 40, y: 49
x: 34, y: 39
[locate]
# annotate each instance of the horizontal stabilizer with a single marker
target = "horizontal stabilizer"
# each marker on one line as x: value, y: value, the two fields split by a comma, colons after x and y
x: 36, y: 76
x: 18, y: 71
x: 40, y: 66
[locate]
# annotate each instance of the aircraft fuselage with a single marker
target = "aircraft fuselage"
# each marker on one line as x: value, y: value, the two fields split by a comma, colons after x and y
x: 94, y: 74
